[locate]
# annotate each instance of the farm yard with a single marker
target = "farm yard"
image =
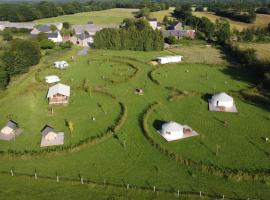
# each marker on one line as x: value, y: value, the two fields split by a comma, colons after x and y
x: 261, y: 20
x: 115, y: 139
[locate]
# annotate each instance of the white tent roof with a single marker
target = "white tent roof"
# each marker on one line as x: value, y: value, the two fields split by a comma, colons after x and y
x: 59, y: 89
x: 52, y: 79
x: 221, y: 97
x: 169, y: 57
x: 60, y: 62
x: 171, y: 127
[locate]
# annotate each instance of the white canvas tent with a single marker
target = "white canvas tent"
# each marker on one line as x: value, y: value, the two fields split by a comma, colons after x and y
x: 172, y: 131
x: 169, y: 59
x: 52, y: 79
x: 61, y: 64
x: 50, y: 137
x: 222, y: 100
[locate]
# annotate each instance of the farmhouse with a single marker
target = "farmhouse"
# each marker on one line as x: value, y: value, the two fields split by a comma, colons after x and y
x: 177, y: 26
x: 46, y: 28
x: 222, y: 102
x: 60, y: 64
x: 58, y: 94
x: 9, y: 131
x: 84, y: 34
x: 52, y: 79
x: 179, y: 33
x: 55, y: 37
x: 153, y: 23
x: 172, y: 131
x: 50, y: 137
x: 169, y: 59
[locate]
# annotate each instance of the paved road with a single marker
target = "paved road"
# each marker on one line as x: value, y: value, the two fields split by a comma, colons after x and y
x: 83, y: 52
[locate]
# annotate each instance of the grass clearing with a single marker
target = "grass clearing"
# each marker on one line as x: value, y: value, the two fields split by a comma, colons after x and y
x: 128, y: 157
x: 201, y: 53
x: 161, y: 14
x: 261, y: 20
x: 110, y: 16
x: 262, y: 49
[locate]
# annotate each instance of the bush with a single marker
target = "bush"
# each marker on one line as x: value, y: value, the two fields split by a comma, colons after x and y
x: 65, y: 45
x: 47, y: 44
x: 7, y: 36
x: 170, y: 40
x: 20, y: 56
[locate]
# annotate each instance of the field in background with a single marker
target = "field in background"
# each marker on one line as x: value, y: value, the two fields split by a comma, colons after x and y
x: 262, y: 20
x: 161, y: 14
x: 199, y: 54
x: 111, y: 16
x: 262, y: 49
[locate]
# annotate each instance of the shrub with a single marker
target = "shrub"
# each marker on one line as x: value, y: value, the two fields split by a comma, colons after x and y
x: 65, y: 45
x: 7, y: 36
x: 47, y: 44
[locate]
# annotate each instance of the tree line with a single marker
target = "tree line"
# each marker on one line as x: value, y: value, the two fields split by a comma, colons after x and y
x: 133, y: 34
x: 247, y: 17
x: 17, y: 58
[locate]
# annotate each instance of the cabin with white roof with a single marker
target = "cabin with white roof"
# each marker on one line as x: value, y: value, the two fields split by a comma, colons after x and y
x: 61, y: 64
x: 169, y: 59
x: 52, y: 79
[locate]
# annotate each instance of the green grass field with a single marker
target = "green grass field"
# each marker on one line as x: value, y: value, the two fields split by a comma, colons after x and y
x: 128, y: 157
x: 261, y: 20
x: 111, y: 16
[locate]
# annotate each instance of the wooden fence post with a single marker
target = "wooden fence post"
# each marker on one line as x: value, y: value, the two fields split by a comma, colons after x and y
x: 154, y: 188
x: 178, y: 192
x: 200, y: 193
x: 127, y: 186
x: 82, y: 180
x: 36, y: 174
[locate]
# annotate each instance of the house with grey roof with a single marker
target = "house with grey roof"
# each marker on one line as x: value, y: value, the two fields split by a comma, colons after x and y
x: 41, y: 29
x: 55, y: 37
x: 50, y: 137
x: 179, y: 33
x: 84, y: 34
x: 58, y: 94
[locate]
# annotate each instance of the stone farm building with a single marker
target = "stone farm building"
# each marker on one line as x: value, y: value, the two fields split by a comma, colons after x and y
x: 58, y: 94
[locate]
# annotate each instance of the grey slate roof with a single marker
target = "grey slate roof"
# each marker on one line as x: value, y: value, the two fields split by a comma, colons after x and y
x: 44, y: 28
x: 11, y: 124
x: 46, y: 130
x: 91, y: 28
x: 53, y: 35
x: 83, y: 36
x: 176, y: 33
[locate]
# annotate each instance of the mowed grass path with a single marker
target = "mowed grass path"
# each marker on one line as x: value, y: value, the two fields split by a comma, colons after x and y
x: 138, y: 162
x: 261, y: 20
x: 111, y: 16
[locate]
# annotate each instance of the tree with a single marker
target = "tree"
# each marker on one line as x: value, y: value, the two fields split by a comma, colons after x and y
x: 223, y: 31
x: 66, y: 25
x: 144, y: 12
x: 47, y: 44
x: 21, y: 55
x: 7, y: 36
x: 171, y: 40
x: 4, y: 78
x: 53, y: 28
x: 42, y: 36
x: 65, y: 45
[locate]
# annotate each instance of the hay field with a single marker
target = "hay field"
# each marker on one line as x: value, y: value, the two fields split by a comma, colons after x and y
x: 262, y: 49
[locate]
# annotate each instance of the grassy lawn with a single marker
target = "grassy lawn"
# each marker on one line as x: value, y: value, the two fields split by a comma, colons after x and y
x: 200, y: 53
x: 128, y: 157
x: 262, y: 49
x: 261, y: 20
x: 111, y: 16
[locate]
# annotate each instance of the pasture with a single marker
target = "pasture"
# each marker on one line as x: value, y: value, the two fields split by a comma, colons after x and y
x: 110, y: 16
x: 125, y: 154
x: 161, y: 14
x: 262, y: 49
x: 261, y: 20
